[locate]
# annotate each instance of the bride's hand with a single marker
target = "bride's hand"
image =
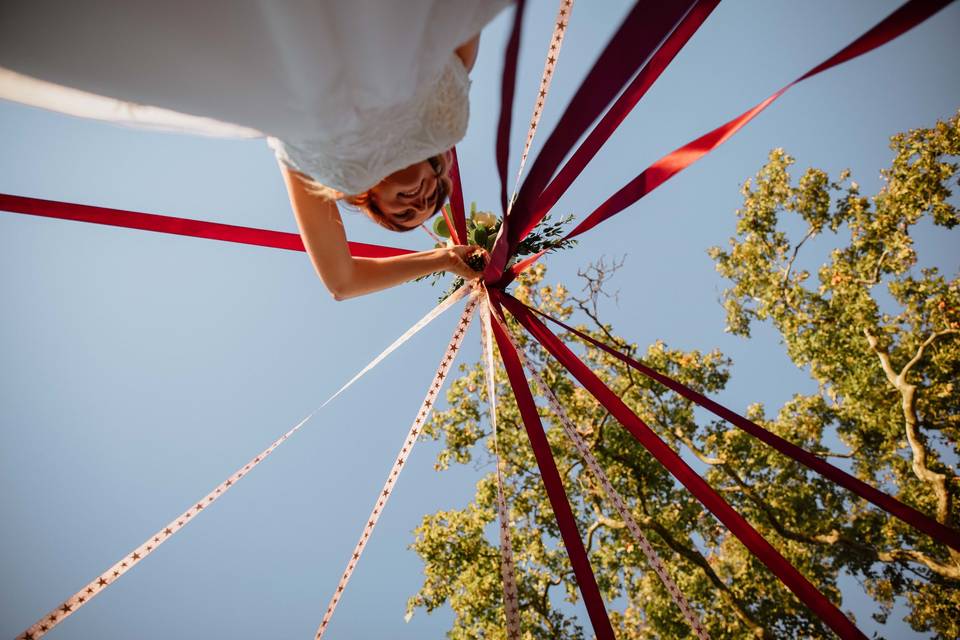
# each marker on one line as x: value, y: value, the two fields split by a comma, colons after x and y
x: 458, y: 255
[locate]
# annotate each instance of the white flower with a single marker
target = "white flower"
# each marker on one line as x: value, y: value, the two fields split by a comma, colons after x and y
x: 484, y: 218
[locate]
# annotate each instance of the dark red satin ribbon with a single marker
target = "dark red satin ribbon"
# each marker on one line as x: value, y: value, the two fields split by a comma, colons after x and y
x: 456, y: 200
x: 888, y: 503
x: 508, y: 87
x: 900, y: 21
x: 622, y: 107
x: 647, y: 25
x: 755, y: 543
x: 554, y: 486
x: 176, y: 226
x: 501, y: 250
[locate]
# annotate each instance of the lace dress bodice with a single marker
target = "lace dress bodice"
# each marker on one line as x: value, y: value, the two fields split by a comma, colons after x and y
x: 379, y: 141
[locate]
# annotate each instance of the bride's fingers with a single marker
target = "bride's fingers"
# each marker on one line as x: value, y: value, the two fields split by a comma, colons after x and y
x: 469, y: 261
x: 465, y: 270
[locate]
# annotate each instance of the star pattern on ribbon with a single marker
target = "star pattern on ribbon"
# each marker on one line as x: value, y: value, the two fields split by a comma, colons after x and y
x: 426, y: 406
x: 556, y: 41
x: 612, y: 494
x: 94, y: 588
x: 507, y: 564
x: 536, y: 201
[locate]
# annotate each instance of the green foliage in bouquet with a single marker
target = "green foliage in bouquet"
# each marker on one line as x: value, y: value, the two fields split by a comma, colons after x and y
x: 482, y: 230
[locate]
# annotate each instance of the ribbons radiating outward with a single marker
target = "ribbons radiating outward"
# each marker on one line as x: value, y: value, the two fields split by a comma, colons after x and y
x: 612, y: 494
x: 917, y: 520
x: 176, y: 226
x: 501, y: 252
x: 642, y: 32
x: 900, y: 21
x: 754, y: 542
x: 644, y: 80
x: 449, y: 355
x: 651, y: 35
x: 511, y: 599
x: 552, y: 482
x: 111, y: 575
x: 508, y: 86
x: 533, y: 203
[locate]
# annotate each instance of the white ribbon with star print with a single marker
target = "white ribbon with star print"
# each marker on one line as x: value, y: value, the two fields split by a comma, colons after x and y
x: 70, y: 606
x: 618, y: 502
x: 425, y: 408
x: 511, y: 601
x: 553, y: 53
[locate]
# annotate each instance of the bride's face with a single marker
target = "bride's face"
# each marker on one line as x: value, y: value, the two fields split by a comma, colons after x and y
x: 413, y: 194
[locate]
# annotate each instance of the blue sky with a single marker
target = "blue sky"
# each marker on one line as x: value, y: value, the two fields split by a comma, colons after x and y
x: 139, y: 370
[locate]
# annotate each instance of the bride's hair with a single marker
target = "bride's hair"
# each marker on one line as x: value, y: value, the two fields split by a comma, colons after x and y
x: 364, y: 203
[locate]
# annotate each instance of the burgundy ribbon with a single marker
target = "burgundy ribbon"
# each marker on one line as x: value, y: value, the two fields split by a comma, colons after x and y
x: 917, y: 520
x: 755, y: 543
x: 900, y: 21
x: 176, y: 226
x: 456, y: 200
x: 612, y: 494
x: 501, y: 250
x: 640, y: 34
x: 553, y: 483
x: 623, y: 106
x: 508, y: 86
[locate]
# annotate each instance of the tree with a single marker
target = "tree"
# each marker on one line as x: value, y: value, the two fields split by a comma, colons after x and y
x: 886, y: 368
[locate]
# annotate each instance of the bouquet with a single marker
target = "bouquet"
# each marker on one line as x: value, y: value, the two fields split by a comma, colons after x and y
x: 482, y: 230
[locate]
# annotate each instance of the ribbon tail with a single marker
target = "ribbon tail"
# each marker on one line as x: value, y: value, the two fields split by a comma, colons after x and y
x: 510, y: 597
x: 553, y: 484
x: 612, y: 494
x: 426, y: 407
x: 750, y: 537
x: 919, y: 521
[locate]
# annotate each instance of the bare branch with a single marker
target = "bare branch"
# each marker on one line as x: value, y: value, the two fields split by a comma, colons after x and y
x: 835, y: 537
x: 590, y: 531
x: 919, y: 354
x: 938, y: 482
x: 596, y: 276
x: 688, y: 550
x: 786, y: 274
x: 883, y: 356
x: 911, y: 555
x: 703, y: 457
x: 876, y: 273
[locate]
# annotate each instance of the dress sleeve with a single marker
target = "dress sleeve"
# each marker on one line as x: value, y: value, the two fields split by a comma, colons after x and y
x: 33, y: 92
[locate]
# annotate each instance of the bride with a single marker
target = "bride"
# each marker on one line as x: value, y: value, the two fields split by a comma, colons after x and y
x: 361, y: 100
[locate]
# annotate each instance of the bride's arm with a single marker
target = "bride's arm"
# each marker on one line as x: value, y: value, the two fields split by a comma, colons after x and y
x: 345, y: 276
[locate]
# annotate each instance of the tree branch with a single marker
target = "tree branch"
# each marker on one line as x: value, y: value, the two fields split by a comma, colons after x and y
x: 688, y: 551
x: 835, y: 537
x: 919, y: 354
x: 786, y: 274
x: 876, y: 273
x: 937, y: 481
x: 703, y: 457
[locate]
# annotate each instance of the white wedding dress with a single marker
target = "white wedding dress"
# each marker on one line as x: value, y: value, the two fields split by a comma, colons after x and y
x: 346, y: 91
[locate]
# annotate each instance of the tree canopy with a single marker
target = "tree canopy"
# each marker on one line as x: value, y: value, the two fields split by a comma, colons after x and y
x: 876, y: 331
